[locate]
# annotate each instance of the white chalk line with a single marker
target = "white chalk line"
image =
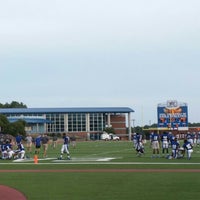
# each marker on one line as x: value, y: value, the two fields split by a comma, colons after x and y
x: 93, y: 161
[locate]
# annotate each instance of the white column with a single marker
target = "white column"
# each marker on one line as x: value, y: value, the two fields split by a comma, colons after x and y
x: 45, y: 125
x: 129, y: 126
x: 88, y: 122
x: 108, y: 120
x: 66, y: 122
x: 37, y: 128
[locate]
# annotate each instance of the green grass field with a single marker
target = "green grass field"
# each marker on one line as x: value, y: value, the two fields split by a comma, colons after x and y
x: 100, y: 185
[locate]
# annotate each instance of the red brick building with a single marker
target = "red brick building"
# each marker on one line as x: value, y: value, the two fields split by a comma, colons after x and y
x: 118, y: 123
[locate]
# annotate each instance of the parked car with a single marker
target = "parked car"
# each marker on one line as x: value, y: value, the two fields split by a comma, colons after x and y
x: 105, y: 136
x: 109, y: 136
x: 114, y: 137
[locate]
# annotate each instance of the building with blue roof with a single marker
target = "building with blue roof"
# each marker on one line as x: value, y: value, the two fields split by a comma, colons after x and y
x: 78, y: 120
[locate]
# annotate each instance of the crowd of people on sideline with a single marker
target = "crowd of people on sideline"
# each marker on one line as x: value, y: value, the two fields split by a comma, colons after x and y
x: 167, y: 145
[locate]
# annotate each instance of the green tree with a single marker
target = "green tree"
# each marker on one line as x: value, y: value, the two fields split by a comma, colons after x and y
x: 4, y: 123
x: 109, y: 130
x: 17, y: 127
x: 13, y: 104
x: 194, y: 124
x: 12, y: 128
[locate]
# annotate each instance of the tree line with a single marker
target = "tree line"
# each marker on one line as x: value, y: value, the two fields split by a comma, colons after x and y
x: 12, y: 128
x: 13, y: 104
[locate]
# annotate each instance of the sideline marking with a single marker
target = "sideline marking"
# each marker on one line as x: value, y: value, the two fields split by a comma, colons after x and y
x: 118, y: 163
x: 92, y: 161
x: 64, y: 160
x: 86, y: 160
x: 32, y: 160
x: 69, y: 162
x: 106, y: 159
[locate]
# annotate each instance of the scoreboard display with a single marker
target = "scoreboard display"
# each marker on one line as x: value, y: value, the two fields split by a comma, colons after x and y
x: 172, y: 115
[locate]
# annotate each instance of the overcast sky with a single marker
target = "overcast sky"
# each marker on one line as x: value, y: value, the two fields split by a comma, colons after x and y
x: 91, y: 53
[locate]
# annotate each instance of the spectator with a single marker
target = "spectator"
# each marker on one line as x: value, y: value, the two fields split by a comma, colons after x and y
x: 29, y: 141
x: 45, y: 141
x: 54, y: 141
x: 73, y: 139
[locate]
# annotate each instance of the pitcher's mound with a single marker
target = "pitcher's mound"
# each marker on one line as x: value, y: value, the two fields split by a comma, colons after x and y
x: 8, y: 193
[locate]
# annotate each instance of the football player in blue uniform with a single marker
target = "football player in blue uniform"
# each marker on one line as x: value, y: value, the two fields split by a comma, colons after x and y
x: 155, y: 140
x: 189, y: 138
x: 37, y: 142
x: 3, y: 150
x: 188, y: 148
x: 9, y: 150
x: 65, y: 147
x: 165, y: 143
x: 134, y: 140
x: 175, y: 146
x: 139, y: 145
x: 18, y: 139
x: 198, y: 139
x: 20, y: 152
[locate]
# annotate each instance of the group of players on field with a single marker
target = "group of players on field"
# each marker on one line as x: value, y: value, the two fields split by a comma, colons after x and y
x: 8, y: 151
x: 167, y: 141
x: 11, y: 148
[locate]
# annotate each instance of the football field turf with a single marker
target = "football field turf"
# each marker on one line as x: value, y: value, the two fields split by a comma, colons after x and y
x: 104, y: 170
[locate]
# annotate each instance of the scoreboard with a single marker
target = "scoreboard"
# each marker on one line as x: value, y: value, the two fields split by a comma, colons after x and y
x: 173, y: 115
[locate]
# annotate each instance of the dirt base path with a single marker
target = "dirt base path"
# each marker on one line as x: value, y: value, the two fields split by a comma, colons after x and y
x: 8, y: 193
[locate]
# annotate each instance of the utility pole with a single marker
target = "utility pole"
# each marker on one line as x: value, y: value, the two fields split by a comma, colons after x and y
x: 133, y: 120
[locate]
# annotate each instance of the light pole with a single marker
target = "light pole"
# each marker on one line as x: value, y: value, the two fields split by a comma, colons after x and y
x: 133, y: 120
x: 149, y: 122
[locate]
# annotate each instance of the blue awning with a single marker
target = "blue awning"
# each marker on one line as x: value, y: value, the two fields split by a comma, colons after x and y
x: 30, y: 120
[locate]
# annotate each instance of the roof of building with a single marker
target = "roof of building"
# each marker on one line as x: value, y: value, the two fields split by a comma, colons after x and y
x: 66, y: 110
